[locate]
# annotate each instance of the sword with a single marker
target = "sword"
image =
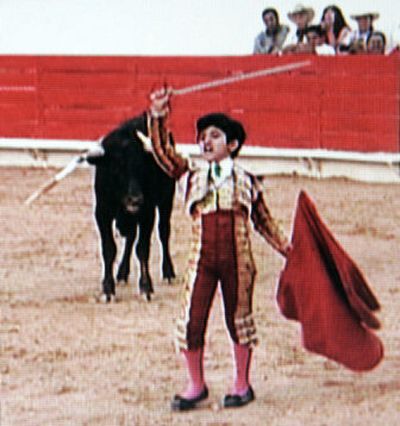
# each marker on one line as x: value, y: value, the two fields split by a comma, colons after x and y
x: 240, y: 77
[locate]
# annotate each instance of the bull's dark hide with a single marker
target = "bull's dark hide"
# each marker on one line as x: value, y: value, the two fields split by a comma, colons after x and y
x: 129, y: 187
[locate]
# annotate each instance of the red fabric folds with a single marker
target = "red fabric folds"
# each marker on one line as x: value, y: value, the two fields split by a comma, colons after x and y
x: 322, y: 288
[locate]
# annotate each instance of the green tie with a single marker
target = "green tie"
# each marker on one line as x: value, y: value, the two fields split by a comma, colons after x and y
x: 217, y: 170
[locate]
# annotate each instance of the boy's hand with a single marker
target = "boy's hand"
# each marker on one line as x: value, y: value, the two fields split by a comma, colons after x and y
x: 160, y: 102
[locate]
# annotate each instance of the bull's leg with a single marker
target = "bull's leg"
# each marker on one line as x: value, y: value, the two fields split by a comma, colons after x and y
x: 124, y: 266
x: 109, y: 251
x: 143, y: 252
x: 164, y: 231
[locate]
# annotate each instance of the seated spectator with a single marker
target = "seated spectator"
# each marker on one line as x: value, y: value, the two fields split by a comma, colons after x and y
x: 301, y: 16
x: 358, y: 37
x: 271, y: 40
x: 317, y: 42
x: 376, y: 43
x: 337, y: 30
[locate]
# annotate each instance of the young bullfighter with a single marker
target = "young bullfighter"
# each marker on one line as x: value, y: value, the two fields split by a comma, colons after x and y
x: 220, y: 199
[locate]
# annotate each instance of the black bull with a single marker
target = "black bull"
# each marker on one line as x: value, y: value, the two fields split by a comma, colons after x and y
x: 129, y: 187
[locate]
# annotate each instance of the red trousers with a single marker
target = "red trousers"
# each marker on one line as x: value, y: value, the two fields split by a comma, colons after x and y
x: 217, y: 264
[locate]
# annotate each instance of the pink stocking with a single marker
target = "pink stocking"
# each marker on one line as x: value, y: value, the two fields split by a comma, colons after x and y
x: 194, y: 365
x: 242, y: 368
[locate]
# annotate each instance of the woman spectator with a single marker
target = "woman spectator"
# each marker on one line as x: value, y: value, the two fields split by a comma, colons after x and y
x: 337, y: 30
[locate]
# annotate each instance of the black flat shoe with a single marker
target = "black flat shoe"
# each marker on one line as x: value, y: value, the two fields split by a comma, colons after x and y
x: 239, y: 400
x: 182, y: 404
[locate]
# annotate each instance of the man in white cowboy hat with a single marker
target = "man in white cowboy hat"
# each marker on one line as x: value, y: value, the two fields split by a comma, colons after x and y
x: 301, y: 16
x: 358, y: 37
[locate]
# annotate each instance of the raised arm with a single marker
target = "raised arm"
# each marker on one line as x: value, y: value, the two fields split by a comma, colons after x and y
x: 163, y: 146
x: 267, y: 226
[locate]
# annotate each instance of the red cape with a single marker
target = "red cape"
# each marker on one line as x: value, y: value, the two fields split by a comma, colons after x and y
x: 322, y: 288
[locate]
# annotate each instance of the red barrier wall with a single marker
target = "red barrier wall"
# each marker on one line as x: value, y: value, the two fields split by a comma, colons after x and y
x: 346, y: 103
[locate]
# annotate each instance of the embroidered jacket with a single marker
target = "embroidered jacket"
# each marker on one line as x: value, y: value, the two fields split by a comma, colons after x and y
x: 237, y: 191
x: 244, y: 192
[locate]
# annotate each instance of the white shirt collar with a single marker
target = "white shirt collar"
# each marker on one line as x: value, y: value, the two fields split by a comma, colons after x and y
x: 226, y: 170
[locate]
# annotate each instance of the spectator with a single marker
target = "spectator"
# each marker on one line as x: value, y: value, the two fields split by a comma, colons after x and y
x: 316, y: 41
x: 376, y: 43
x: 337, y: 30
x: 271, y: 40
x: 301, y: 16
x: 358, y: 37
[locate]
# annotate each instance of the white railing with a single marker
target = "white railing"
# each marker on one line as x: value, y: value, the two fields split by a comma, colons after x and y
x: 319, y: 163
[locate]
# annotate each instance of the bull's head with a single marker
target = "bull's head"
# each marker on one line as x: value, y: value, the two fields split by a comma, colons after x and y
x: 120, y: 172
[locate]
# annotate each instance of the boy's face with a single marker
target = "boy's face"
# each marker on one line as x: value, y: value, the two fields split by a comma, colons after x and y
x: 376, y: 45
x: 314, y: 39
x: 213, y: 144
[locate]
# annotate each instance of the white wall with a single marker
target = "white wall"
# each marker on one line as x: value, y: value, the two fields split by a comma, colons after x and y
x: 154, y: 27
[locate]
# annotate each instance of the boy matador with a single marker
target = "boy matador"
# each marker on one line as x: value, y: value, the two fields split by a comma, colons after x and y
x: 220, y: 199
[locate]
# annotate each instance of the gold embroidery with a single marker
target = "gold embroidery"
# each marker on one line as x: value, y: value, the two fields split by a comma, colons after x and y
x: 244, y: 323
x: 235, y: 193
x: 266, y: 225
x: 164, y: 149
x: 181, y: 329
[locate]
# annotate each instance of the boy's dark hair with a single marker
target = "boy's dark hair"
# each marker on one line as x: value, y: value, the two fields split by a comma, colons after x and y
x: 377, y: 34
x: 315, y: 29
x: 233, y: 129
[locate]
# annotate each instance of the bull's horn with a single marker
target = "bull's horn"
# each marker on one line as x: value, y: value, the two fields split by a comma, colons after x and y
x: 95, y: 152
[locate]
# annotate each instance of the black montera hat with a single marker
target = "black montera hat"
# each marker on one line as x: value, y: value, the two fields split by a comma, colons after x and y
x: 233, y: 129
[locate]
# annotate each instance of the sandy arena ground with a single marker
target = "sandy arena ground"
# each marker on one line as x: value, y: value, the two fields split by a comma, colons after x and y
x: 66, y: 360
